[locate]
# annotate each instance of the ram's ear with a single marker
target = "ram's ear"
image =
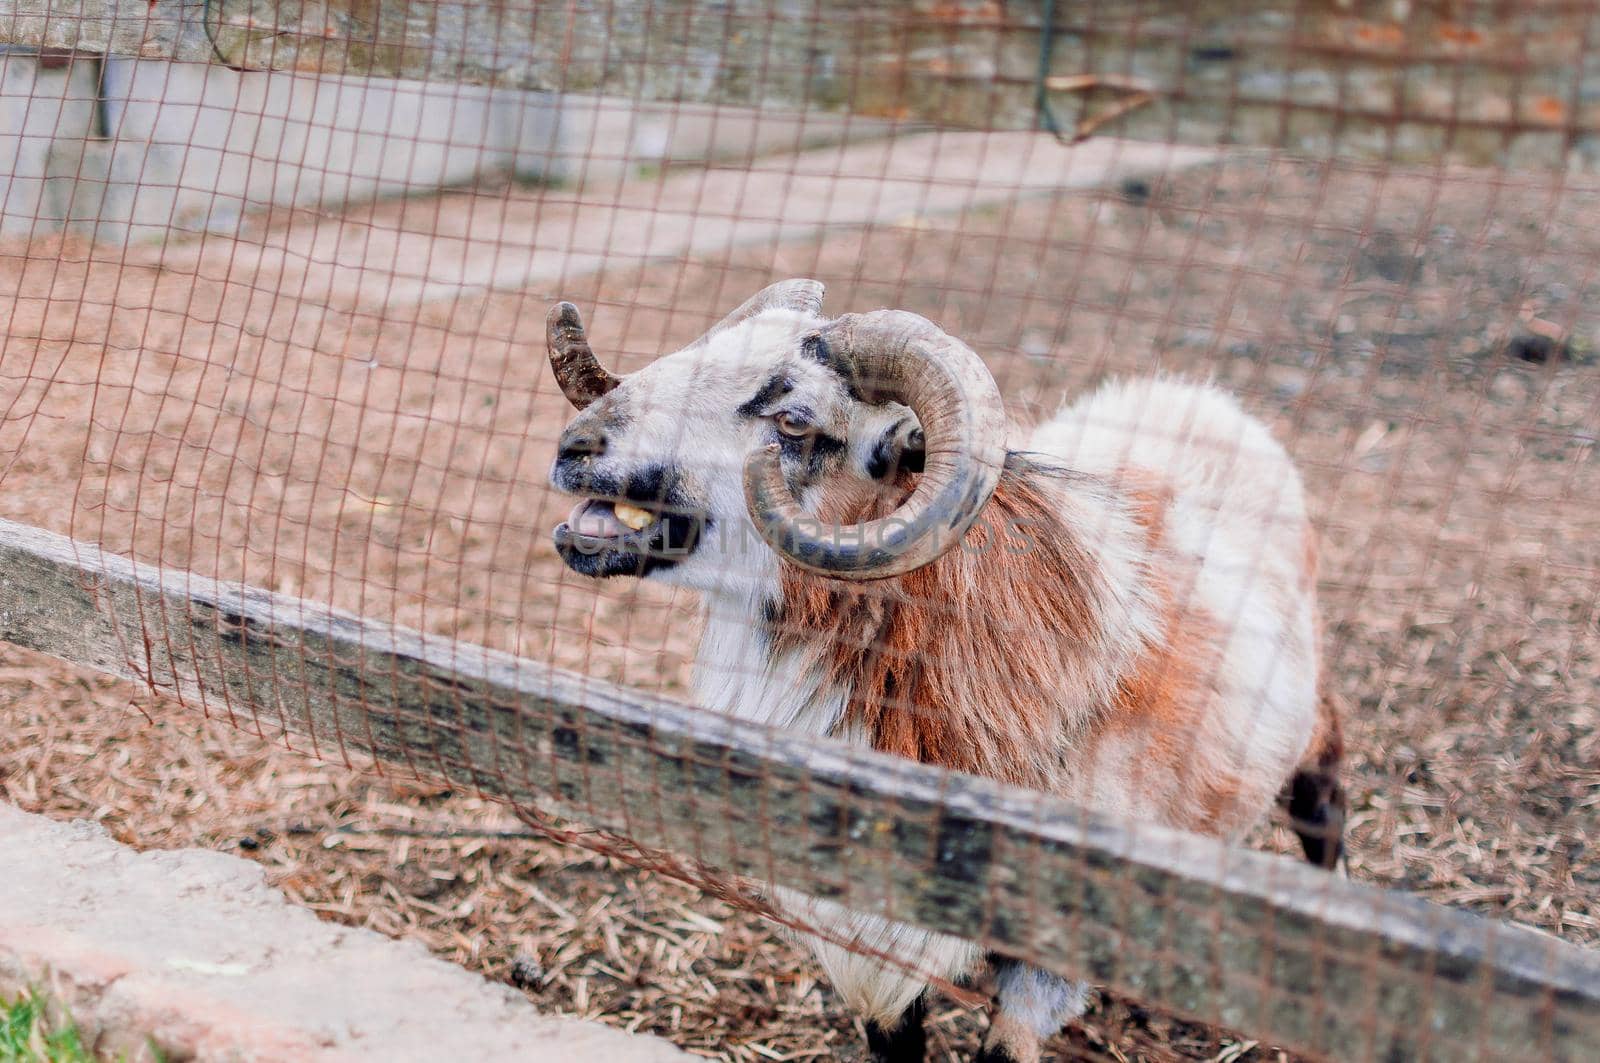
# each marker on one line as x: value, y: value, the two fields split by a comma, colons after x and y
x: 885, y: 440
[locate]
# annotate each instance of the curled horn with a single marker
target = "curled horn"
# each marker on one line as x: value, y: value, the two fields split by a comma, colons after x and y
x: 900, y: 356
x: 580, y: 374
x: 801, y: 294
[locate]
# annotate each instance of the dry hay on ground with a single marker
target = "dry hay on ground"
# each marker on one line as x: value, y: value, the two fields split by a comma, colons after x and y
x: 394, y: 467
x: 606, y: 941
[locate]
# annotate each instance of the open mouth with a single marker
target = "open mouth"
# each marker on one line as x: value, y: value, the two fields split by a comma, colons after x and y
x: 602, y: 537
x: 601, y: 525
x: 625, y: 524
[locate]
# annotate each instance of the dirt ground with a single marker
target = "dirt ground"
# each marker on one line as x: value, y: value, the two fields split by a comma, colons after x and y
x: 1424, y: 343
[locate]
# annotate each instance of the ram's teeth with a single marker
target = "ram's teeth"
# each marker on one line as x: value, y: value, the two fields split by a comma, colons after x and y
x: 633, y: 516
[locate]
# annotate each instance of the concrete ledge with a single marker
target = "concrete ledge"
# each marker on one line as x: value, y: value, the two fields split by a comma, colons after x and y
x: 192, y: 952
x: 175, y: 148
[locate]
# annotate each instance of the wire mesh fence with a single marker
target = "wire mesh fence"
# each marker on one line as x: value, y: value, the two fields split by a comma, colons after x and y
x: 276, y: 281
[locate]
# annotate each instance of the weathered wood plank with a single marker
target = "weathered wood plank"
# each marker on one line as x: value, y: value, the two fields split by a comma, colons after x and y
x: 1257, y: 942
x: 1481, y: 81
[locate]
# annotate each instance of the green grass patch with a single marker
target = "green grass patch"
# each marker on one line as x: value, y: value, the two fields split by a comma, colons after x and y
x: 28, y: 1036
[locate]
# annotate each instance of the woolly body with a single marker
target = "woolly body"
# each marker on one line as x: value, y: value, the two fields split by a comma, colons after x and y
x: 1187, y: 695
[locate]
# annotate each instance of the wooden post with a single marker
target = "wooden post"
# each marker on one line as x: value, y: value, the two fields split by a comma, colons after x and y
x: 1251, y: 941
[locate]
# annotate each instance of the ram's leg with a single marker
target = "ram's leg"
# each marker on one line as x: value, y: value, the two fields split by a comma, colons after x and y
x: 1030, y: 1006
x: 906, y: 1041
x: 881, y: 969
x: 1314, y: 797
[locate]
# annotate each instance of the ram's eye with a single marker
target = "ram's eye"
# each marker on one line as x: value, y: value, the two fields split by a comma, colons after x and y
x: 791, y: 425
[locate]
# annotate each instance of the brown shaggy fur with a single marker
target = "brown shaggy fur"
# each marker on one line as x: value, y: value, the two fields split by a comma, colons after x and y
x: 963, y: 663
x: 942, y: 673
x: 1160, y: 706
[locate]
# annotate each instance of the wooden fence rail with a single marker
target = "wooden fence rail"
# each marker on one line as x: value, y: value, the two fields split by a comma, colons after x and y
x: 1256, y: 942
x: 1488, y: 83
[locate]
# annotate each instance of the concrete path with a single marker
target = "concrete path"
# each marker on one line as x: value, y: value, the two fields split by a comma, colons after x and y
x: 400, y: 253
x: 193, y: 951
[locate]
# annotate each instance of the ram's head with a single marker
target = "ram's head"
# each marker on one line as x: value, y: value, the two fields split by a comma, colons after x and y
x: 707, y: 465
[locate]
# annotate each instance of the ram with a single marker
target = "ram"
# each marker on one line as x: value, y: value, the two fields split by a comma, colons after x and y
x: 1122, y: 614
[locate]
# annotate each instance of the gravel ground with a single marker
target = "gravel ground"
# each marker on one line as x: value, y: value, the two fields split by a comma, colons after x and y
x: 1423, y: 342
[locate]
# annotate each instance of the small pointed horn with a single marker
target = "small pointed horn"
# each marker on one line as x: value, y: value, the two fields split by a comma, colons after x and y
x: 897, y: 355
x: 580, y: 374
x: 801, y: 294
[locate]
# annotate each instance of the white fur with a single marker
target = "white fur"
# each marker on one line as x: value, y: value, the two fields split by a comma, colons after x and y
x: 875, y: 990
x: 1238, y: 522
x: 1038, y: 1000
x: 735, y: 674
